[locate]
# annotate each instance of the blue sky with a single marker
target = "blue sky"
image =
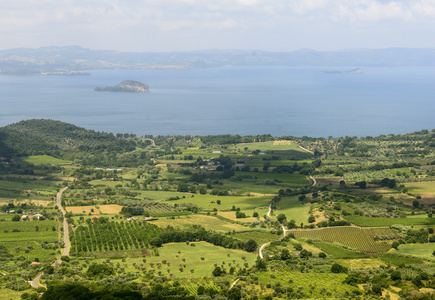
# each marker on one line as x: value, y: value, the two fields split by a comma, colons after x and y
x: 180, y: 25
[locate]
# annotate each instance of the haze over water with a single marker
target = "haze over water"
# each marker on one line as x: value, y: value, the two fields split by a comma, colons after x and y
x: 234, y: 100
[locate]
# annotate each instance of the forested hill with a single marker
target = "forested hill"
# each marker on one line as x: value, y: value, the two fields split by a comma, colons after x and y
x: 42, y: 136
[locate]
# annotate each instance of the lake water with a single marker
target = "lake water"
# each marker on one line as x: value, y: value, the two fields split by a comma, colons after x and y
x: 235, y: 100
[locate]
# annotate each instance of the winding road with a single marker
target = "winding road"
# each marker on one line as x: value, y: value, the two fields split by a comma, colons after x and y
x: 314, y: 180
x: 35, y: 281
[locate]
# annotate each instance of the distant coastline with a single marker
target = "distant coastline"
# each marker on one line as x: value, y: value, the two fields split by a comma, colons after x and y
x: 352, y: 71
x: 35, y: 72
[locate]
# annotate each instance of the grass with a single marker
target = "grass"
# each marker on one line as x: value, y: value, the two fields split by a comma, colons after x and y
x: 206, y: 201
x: 208, y: 222
x: 269, y: 146
x: 260, y: 237
x: 360, y: 239
x: 418, y: 250
x: 398, y: 260
x: 292, y: 179
x: 421, y: 187
x: 338, y: 252
x: 293, y: 210
x: 29, y: 233
x: 174, y: 254
x: 312, y: 285
x: 27, y: 188
x: 43, y: 160
x: 7, y: 294
x: 379, y: 222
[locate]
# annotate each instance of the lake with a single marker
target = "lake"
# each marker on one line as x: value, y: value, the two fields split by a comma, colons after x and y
x: 232, y: 100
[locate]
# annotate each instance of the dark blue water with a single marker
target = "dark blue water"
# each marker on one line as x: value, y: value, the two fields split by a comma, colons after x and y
x: 251, y: 100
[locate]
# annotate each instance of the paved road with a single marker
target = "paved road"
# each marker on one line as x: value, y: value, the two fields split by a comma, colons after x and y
x: 35, y: 281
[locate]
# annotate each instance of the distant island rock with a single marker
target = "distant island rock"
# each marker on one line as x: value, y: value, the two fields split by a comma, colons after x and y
x: 353, y: 71
x: 126, y: 86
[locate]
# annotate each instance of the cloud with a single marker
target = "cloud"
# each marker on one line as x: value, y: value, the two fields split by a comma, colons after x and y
x: 75, y: 21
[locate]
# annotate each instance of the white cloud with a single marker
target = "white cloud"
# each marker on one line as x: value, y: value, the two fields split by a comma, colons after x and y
x: 74, y: 21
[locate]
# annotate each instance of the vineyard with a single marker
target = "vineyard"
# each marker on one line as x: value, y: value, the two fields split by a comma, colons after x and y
x: 112, y: 236
x: 360, y: 239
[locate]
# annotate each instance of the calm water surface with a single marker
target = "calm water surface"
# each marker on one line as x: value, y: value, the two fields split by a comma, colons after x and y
x: 250, y: 100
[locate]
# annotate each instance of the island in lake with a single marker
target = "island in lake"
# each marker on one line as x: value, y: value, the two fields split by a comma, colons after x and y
x: 127, y: 86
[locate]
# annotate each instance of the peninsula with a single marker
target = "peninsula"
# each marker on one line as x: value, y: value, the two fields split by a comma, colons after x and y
x: 127, y: 86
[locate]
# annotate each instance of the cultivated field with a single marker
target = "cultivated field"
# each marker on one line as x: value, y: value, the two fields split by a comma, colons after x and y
x: 360, y: 239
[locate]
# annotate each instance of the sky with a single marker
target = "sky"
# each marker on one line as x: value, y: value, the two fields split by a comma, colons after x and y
x: 184, y: 25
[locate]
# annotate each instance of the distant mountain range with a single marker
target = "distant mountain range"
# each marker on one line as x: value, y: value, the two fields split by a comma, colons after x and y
x: 71, y: 60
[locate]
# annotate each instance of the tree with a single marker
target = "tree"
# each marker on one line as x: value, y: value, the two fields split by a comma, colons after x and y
x: 16, y: 218
x: 255, y: 214
x: 396, y: 275
x: 311, y: 219
x: 322, y: 255
x: 415, y: 203
x: 336, y: 268
x: 361, y: 184
x: 217, y: 271
x: 260, y: 264
x: 281, y: 218
x: 96, y: 269
x: 251, y: 245
x: 285, y: 254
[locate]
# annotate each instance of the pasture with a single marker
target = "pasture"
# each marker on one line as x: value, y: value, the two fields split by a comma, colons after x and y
x: 28, y: 188
x: 269, y: 146
x: 25, y: 237
x: 360, y: 239
x: 379, y: 222
x: 208, y: 202
x: 425, y: 189
x: 338, y: 252
x: 191, y: 260
x: 417, y: 250
x: 208, y: 222
x: 43, y: 160
x: 308, y: 285
x: 292, y: 208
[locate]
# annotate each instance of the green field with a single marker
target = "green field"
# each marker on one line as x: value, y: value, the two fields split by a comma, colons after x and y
x: 28, y: 188
x: 206, y: 201
x: 17, y: 236
x: 269, y: 146
x: 174, y: 254
x: 43, y: 160
x: 418, y: 250
x: 293, y: 210
x: 337, y: 251
x: 379, y: 222
x: 208, y: 222
x: 360, y: 239
x: 308, y: 285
